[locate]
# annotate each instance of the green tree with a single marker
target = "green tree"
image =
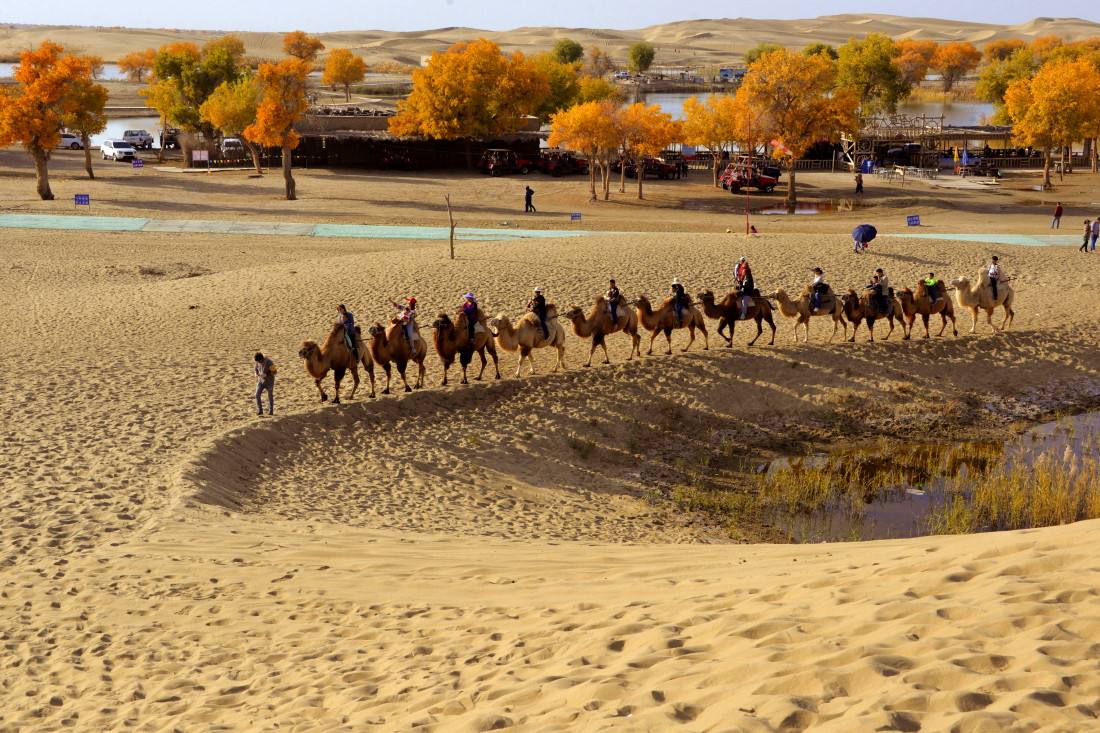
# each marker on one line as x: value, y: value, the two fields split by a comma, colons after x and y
x: 997, y: 76
x: 564, y: 83
x: 641, y: 57
x: 753, y: 54
x: 821, y: 48
x: 232, y: 108
x: 867, y: 68
x: 567, y: 51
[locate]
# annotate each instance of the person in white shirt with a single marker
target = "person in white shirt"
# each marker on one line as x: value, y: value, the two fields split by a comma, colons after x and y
x: 994, y: 274
x: 817, y: 289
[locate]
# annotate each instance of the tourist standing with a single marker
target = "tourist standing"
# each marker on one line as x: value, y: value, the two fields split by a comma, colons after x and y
x: 1087, y: 237
x: 1056, y: 222
x: 1095, y: 234
x: 859, y: 182
x: 528, y: 195
x: 265, y: 380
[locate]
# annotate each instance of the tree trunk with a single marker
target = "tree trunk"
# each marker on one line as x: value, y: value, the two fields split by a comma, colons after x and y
x: 255, y: 152
x: 622, y: 174
x: 1093, y: 154
x: 592, y: 166
x: 640, y: 170
x: 607, y: 179
x: 716, y: 162
x: 792, y: 196
x: 42, y: 173
x: 163, y: 135
x: 287, y: 175
x: 1046, y: 168
x: 347, y: 92
x: 87, y: 155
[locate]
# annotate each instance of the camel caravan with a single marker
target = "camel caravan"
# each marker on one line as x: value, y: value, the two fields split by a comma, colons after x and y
x: 469, y: 332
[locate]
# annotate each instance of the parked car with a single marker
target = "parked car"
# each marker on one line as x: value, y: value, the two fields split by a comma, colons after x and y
x: 69, y: 141
x: 232, y: 148
x: 654, y: 168
x: 170, y: 139
x: 561, y: 163
x: 117, y: 150
x: 499, y: 161
x: 139, y: 139
x: 746, y: 172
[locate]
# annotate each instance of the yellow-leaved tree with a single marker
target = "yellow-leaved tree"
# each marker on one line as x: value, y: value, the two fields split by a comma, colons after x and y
x: 713, y: 124
x: 953, y: 61
x: 34, y: 112
x: 591, y: 130
x: 137, y: 64
x: 301, y: 45
x: 797, y: 104
x: 85, y: 115
x: 470, y: 91
x: 343, y: 68
x: 644, y: 131
x: 231, y: 109
x: 282, y: 103
x: 1048, y: 112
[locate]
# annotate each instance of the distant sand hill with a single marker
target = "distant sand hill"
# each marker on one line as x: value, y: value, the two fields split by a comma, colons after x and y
x: 687, y: 42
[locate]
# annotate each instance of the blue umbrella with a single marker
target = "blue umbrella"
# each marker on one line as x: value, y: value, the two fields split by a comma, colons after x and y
x: 864, y: 233
x: 965, y: 157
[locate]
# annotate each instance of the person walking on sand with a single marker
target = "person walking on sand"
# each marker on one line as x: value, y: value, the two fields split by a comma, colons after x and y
x: 265, y: 380
x: 1087, y: 237
x: 528, y: 195
x: 859, y: 182
x: 1095, y: 234
x: 1056, y: 222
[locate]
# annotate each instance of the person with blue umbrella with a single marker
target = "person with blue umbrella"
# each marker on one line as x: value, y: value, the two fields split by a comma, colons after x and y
x: 862, y: 236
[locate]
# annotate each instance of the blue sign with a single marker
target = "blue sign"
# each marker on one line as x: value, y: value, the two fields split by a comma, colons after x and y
x: 913, y: 220
x: 139, y: 163
x: 574, y: 217
x: 83, y: 199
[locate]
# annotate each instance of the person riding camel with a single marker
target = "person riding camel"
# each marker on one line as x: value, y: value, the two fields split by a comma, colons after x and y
x: 472, y: 312
x: 406, y: 315
x: 613, y: 297
x: 537, y: 305
x: 887, y: 291
x: 994, y: 272
x: 932, y: 286
x: 742, y: 275
x: 346, y: 319
x: 679, y: 300
x: 818, y: 289
x: 875, y: 286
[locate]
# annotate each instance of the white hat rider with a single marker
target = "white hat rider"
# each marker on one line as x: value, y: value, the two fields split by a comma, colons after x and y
x: 675, y: 281
x: 538, y: 290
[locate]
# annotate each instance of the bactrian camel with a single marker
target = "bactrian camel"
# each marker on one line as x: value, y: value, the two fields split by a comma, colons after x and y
x: 664, y: 320
x: 333, y: 354
x: 864, y: 308
x: 920, y: 304
x: 526, y: 336
x: 597, y: 325
x: 452, y: 338
x: 800, y: 310
x: 980, y: 295
x: 391, y: 345
x: 728, y: 312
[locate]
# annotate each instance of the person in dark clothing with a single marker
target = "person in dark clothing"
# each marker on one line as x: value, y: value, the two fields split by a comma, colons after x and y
x: 470, y: 309
x: 265, y: 381
x: 537, y: 305
x: 612, y: 298
x: 1056, y: 221
x: 679, y: 300
x: 877, y: 297
x: 1088, y: 236
x: 818, y: 289
x: 528, y: 195
x: 859, y: 182
x: 346, y: 319
x: 932, y: 286
x: 742, y: 275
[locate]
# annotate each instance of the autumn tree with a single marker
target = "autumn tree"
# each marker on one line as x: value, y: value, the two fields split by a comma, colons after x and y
x: 85, y: 114
x: 644, y: 131
x: 301, y: 45
x: 913, y: 59
x: 567, y: 51
x: 563, y: 82
x: 595, y: 89
x: 1044, y: 47
x: 823, y: 49
x: 470, y: 91
x: 953, y: 61
x: 231, y: 109
x: 797, y: 103
x: 1046, y: 111
x: 997, y: 76
x: 589, y: 129
x: 711, y: 123
x: 641, y: 55
x: 282, y: 103
x: 597, y: 62
x: 753, y: 54
x: 867, y: 68
x: 34, y: 111
x: 137, y: 64
x: 1002, y: 49
x: 344, y: 68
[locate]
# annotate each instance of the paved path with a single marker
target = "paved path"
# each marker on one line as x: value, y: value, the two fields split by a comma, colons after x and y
x: 1030, y: 240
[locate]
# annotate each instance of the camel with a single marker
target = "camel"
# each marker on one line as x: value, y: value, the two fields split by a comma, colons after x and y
x: 981, y: 296
x: 857, y: 309
x: 452, y: 337
x: 728, y: 312
x: 664, y: 319
x: 390, y: 345
x: 800, y: 310
x: 526, y: 336
x: 914, y: 304
x: 335, y: 355
x: 597, y: 325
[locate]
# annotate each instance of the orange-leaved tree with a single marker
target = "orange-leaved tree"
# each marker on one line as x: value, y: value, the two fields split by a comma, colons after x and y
x: 85, y: 115
x: 953, y: 61
x: 301, y: 45
x: 1047, y: 110
x: 712, y: 124
x: 470, y: 91
x: 137, y: 64
x: 282, y: 102
x: 343, y: 68
x: 34, y: 112
x: 591, y: 130
x: 913, y: 59
x: 797, y: 104
x: 232, y: 108
x: 1000, y: 50
x: 646, y: 131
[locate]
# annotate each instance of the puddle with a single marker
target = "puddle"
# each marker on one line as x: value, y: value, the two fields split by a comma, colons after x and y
x: 892, y: 490
x: 837, y: 206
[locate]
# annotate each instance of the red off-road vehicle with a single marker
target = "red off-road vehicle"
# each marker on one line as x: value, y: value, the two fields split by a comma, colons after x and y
x: 561, y: 163
x: 748, y: 172
x: 499, y: 162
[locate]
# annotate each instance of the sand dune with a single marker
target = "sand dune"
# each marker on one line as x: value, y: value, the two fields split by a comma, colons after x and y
x: 714, y: 41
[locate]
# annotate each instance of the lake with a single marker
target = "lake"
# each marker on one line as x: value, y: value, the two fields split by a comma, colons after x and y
x: 110, y: 72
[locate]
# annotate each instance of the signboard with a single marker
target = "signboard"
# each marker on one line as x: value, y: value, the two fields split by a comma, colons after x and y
x: 574, y: 217
x: 687, y: 151
x: 198, y: 156
x: 82, y: 199
x: 139, y: 163
x: 913, y: 220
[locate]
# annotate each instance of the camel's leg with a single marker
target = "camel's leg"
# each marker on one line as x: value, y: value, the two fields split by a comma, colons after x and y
x: 324, y: 397
x: 526, y: 354
x: 337, y: 377
x: 496, y: 366
x: 481, y: 355
x: 354, y: 380
x: 691, y: 338
x: 652, y: 338
x: 706, y: 336
x: 943, y: 325
x: 561, y: 357
x: 446, y: 366
x: 989, y: 319
x: 973, y: 319
x: 836, y: 323
x: 887, y: 336
x: 386, y: 369
x: 401, y: 367
x: 420, y: 373
x: 606, y: 359
x: 636, y: 346
x: 722, y: 323
x: 855, y: 329
x: 464, y: 361
x: 771, y: 323
x: 924, y: 320
x: 1009, y: 315
x: 368, y: 364
x: 759, y: 329
x: 871, y: 328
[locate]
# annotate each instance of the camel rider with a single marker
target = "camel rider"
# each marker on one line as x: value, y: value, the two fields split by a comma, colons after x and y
x: 884, y: 296
x: 346, y: 319
x: 613, y: 296
x: 472, y: 311
x: 818, y: 288
x: 994, y: 274
x: 537, y: 305
x: 742, y: 275
x: 875, y: 286
x: 406, y: 314
x: 932, y: 285
x: 679, y: 299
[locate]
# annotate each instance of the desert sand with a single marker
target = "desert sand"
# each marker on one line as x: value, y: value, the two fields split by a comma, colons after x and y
x: 449, y: 560
x: 692, y: 42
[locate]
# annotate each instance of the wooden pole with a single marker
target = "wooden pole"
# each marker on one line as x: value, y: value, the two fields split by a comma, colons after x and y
x: 451, y: 217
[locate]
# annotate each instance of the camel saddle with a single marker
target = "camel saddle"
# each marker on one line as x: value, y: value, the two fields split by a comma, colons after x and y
x: 941, y: 290
x: 828, y: 299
